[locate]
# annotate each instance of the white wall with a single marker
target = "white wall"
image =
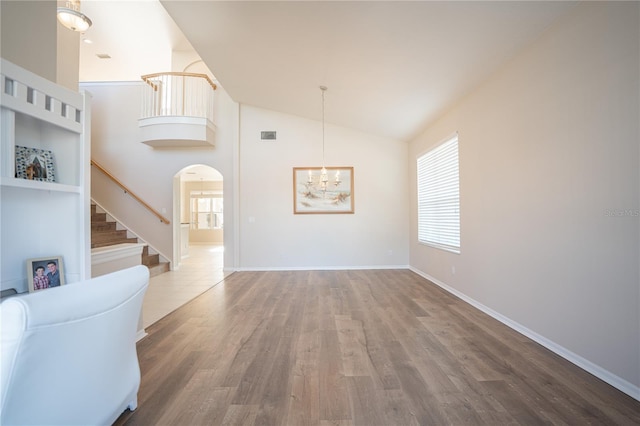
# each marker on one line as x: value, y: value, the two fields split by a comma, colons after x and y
x: 549, y: 160
x: 67, y: 57
x: 28, y: 30
x: 148, y: 171
x: 375, y: 236
x: 272, y: 237
x: 32, y: 38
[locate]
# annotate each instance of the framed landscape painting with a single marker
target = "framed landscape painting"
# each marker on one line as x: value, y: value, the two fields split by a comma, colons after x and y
x: 314, y: 193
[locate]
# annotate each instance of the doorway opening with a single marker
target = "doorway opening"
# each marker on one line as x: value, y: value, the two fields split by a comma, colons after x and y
x: 198, y: 245
x: 198, y: 214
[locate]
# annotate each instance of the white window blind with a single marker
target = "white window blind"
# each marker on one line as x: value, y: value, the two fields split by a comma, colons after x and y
x: 206, y: 210
x: 439, y: 197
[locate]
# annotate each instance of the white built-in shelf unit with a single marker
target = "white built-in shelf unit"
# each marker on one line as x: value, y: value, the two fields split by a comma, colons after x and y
x: 43, y: 218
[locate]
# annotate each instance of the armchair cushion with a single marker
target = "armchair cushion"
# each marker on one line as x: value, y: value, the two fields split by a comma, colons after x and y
x: 69, y: 353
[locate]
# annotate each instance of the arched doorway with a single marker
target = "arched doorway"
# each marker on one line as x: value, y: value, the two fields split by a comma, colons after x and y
x: 198, y: 255
x: 198, y: 214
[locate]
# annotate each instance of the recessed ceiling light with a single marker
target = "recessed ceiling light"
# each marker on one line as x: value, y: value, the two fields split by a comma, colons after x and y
x: 86, y: 40
x: 103, y: 55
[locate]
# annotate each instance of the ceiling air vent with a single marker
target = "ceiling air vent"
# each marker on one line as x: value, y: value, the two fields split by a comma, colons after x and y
x: 268, y: 135
x: 103, y: 55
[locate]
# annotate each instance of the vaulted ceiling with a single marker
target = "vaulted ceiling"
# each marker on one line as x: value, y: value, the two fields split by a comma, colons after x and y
x: 391, y: 67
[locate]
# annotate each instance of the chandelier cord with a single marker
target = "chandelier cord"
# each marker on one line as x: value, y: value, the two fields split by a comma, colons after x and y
x: 323, y: 89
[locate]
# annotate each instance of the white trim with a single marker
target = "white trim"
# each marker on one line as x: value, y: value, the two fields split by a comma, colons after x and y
x: 141, y: 335
x: 111, y: 83
x: 164, y: 257
x: 51, y: 102
x: 601, y: 373
x: 439, y: 247
x: 8, y: 149
x: 237, y: 139
x: 176, y: 228
x: 317, y: 268
x: 115, y: 252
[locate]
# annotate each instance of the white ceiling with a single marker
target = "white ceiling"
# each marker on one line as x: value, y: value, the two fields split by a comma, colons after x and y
x: 135, y: 49
x: 391, y: 67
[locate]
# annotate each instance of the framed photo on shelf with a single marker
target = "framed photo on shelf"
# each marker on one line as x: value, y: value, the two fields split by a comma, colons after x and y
x: 312, y: 194
x: 34, y: 164
x: 45, y: 272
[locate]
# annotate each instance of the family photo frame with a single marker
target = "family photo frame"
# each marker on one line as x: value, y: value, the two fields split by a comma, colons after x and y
x: 313, y: 195
x: 45, y: 272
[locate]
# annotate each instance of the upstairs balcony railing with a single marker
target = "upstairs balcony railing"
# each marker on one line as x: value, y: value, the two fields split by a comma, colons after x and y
x: 178, y: 94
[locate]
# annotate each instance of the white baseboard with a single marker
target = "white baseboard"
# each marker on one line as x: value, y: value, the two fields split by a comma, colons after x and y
x: 141, y: 334
x: 601, y: 373
x: 317, y: 268
x: 131, y: 234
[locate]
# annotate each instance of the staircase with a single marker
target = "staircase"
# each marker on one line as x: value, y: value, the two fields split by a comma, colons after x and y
x: 105, y: 233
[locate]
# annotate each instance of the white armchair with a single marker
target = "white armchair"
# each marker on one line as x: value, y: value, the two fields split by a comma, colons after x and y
x: 69, y: 353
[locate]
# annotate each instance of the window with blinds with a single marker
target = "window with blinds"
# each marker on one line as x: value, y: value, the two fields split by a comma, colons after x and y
x: 206, y: 210
x: 439, y: 197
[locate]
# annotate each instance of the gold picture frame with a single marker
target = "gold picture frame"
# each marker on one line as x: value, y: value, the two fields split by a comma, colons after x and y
x: 312, y: 196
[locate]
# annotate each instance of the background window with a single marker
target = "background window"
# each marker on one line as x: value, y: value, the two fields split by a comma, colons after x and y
x: 206, y: 210
x: 439, y: 197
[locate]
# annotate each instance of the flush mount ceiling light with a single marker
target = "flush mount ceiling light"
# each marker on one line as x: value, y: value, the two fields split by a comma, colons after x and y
x: 71, y: 17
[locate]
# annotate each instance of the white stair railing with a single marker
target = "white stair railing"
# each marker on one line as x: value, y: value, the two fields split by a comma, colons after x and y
x: 178, y: 94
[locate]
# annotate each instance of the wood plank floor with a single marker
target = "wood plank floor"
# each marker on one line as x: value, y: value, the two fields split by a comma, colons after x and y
x: 374, y: 347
